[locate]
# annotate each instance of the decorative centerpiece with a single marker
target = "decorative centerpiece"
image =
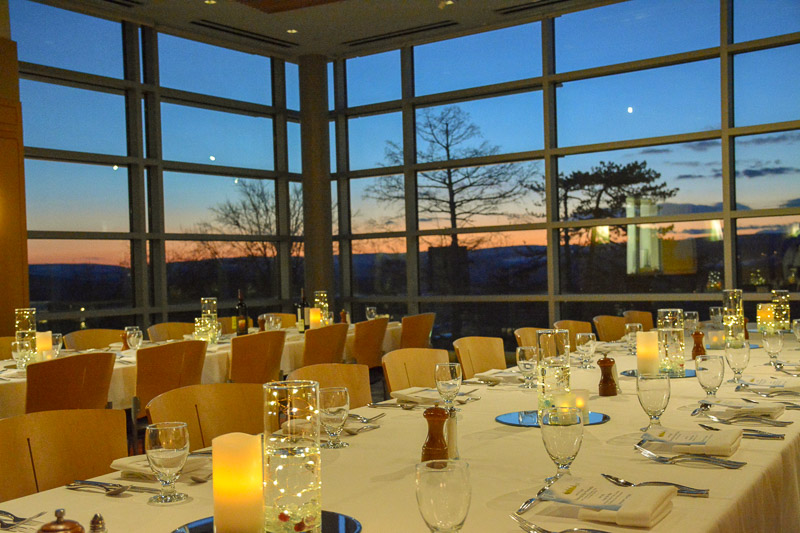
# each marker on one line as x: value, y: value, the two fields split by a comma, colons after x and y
x: 671, y: 343
x: 780, y: 302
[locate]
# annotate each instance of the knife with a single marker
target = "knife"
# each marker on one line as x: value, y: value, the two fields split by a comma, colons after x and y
x: 133, y: 488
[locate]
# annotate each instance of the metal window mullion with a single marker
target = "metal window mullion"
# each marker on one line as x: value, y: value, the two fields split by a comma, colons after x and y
x: 550, y: 167
x: 410, y: 179
x: 282, y: 196
x: 727, y: 140
x: 341, y: 131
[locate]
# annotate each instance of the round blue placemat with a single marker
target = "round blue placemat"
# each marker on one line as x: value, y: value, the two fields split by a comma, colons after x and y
x: 632, y: 374
x: 331, y: 523
x: 530, y: 419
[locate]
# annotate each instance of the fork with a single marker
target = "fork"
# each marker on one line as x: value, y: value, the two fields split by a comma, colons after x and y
x: 749, y: 418
x: 771, y: 394
x: 530, y: 501
x: 18, y: 519
x: 683, y: 490
x: 20, y: 523
x: 530, y: 527
x: 688, y: 458
x: 364, y: 419
x: 750, y: 433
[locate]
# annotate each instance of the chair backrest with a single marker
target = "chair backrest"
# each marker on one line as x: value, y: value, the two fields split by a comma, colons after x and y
x: 288, y: 320
x: 256, y: 358
x: 228, y: 324
x: 210, y: 410
x: 609, y: 328
x: 166, y: 367
x: 412, y: 367
x: 526, y: 336
x: 325, y: 344
x: 49, y: 449
x: 368, y: 341
x: 416, y: 331
x: 75, y: 382
x: 574, y: 327
x: 479, y: 354
x: 645, y: 318
x: 166, y: 331
x: 86, y: 339
x: 354, y: 377
x: 5, y: 347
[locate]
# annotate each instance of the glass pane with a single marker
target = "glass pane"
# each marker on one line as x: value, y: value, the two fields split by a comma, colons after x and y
x: 66, y: 325
x: 640, y: 104
x: 377, y: 204
x: 376, y: 140
x: 669, y: 179
x: 768, y: 253
x: 198, y: 203
x: 198, y: 135
x: 64, y: 118
x: 379, y: 267
x: 482, y: 59
x: 296, y: 209
x: 512, y: 262
x: 66, y: 275
x: 331, y: 97
x: 334, y: 207
x: 457, y: 320
x: 480, y: 128
x: 585, y: 311
x: 292, y: 86
x: 294, y: 147
x: 756, y: 19
x: 59, y: 196
x: 332, y: 138
x: 639, y: 29
x: 199, y: 268
x: 765, y: 85
x: 509, y: 193
x: 297, y: 264
x: 374, y: 78
x: 768, y: 170
x: 676, y: 257
x: 213, y: 70
x: 65, y: 39
x: 396, y: 311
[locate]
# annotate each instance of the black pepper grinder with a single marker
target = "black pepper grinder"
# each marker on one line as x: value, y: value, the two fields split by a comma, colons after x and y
x: 608, y: 386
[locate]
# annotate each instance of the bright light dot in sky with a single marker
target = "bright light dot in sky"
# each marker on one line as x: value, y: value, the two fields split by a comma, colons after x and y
x: 211, y: 157
x: 236, y: 181
x: 630, y: 110
x: 115, y: 167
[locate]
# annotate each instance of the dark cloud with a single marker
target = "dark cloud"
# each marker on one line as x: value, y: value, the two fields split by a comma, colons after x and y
x: 770, y: 139
x: 767, y: 171
x: 795, y: 202
x: 656, y: 151
x: 698, y: 231
x: 703, y: 146
x: 684, y: 163
x: 691, y: 176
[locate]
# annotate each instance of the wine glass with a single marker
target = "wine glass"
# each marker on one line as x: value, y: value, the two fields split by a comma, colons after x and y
x: 22, y: 353
x: 796, y: 328
x: 372, y: 312
x: 526, y: 362
x: 773, y: 344
x: 737, y: 353
x: 691, y: 319
x: 715, y: 315
x: 448, y: 382
x: 586, y: 343
x: 710, y: 371
x: 334, y: 406
x: 653, y: 391
x: 562, y: 434
x: 134, y: 337
x: 167, y: 447
x: 443, y: 494
x: 631, y: 330
x: 57, y: 340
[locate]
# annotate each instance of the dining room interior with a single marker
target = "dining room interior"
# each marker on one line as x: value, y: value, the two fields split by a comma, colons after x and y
x: 395, y: 200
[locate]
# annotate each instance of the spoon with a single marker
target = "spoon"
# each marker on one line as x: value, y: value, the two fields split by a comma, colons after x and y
x: 356, y: 431
x: 364, y: 419
x: 683, y: 490
x: 201, y: 479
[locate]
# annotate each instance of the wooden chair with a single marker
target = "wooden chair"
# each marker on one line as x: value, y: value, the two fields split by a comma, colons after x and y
x: 325, y: 344
x: 256, y: 358
x: 211, y: 410
x: 412, y: 367
x: 166, y: 331
x: 5, y: 347
x: 228, y: 324
x: 574, y: 327
x: 609, y: 328
x: 526, y: 336
x: 87, y: 339
x: 368, y: 341
x: 288, y: 320
x: 416, y: 331
x: 645, y: 318
x: 479, y: 354
x: 354, y: 377
x: 45, y: 450
x: 76, y: 382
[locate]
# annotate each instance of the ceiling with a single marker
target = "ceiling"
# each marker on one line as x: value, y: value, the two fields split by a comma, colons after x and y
x: 333, y: 28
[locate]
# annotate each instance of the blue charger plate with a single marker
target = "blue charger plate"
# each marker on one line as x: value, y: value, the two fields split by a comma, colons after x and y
x: 331, y: 523
x: 530, y: 419
x: 632, y: 373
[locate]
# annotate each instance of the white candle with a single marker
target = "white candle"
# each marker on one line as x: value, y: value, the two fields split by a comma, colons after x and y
x: 314, y: 317
x: 238, y: 483
x: 582, y: 403
x: 647, y: 352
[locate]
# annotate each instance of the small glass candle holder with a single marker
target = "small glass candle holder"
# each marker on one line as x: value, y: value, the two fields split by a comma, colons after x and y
x: 765, y: 317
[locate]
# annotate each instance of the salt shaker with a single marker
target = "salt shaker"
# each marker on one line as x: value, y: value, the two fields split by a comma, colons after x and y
x: 451, y: 435
x: 97, y: 525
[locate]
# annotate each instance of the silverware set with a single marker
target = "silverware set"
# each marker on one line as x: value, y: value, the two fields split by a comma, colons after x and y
x: 750, y: 433
x: 15, y: 521
x: 683, y: 490
x: 530, y: 527
x: 364, y: 419
x: 771, y: 394
x: 744, y: 417
x: 689, y: 458
x: 110, y: 488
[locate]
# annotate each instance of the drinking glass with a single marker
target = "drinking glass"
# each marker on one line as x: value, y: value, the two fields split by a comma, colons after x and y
x: 653, y: 391
x: 526, y: 362
x: 208, y: 306
x: 167, y: 447
x: 631, y: 330
x: 134, y: 336
x: 773, y: 344
x: 274, y: 322
x: 57, y: 340
x: 710, y: 371
x: 796, y: 328
x: 334, y: 406
x: 22, y: 353
x: 448, y: 382
x: 691, y: 320
x: 553, y: 364
x: 586, y: 343
x: 737, y: 353
x: 715, y: 315
x: 443, y: 494
x: 562, y: 434
x: 372, y: 312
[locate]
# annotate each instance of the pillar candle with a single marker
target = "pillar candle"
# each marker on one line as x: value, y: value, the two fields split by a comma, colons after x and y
x: 314, y: 317
x: 238, y: 483
x: 647, y: 352
x: 582, y: 403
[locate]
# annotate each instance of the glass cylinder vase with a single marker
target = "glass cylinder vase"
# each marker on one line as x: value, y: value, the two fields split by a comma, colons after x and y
x: 780, y: 302
x: 671, y: 341
x: 25, y: 326
x: 552, y: 364
x: 732, y: 309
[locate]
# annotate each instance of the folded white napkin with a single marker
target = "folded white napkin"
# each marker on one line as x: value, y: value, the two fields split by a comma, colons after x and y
x: 497, y: 375
x: 138, y: 464
x: 424, y: 396
x: 771, y: 382
x: 724, y: 442
x: 737, y: 407
x: 634, y: 506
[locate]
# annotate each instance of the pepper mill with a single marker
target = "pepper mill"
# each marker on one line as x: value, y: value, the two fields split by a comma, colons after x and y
x: 698, y: 348
x: 97, y: 525
x: 435, y: 446
x: 607, y: 387
x: 125, y: 345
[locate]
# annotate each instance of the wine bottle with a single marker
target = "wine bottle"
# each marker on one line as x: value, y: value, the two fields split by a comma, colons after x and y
x: 300, y: 310
x: 241, y: 316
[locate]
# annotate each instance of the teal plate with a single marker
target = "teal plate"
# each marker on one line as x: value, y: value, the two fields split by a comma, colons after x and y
x: 530, y: 419
x: 331, y: 523
x: 632, y: 374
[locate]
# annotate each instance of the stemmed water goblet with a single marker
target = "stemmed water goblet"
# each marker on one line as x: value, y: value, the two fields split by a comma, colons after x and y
x: 653, y: 391
x: 562, y: 434
x: 631, y: 330
x: 710, y: 371
x: 586, y: 343
x: 334, y: 406
x: 167, y: 447
x: 691, y: 319
x: 526, y: 362
x: 737, y: 353
x: 134, y: 337
x: 22, y: 353
x: 443, y: 494
x: 773, y: 344
x: 448, y: 382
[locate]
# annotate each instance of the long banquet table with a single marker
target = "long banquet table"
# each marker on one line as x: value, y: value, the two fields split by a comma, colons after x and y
x: 373, y: 479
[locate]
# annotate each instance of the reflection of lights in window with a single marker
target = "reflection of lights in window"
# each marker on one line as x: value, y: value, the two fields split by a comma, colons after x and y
x: 444, y: 3
x: 794, y: 230
x: 211, y: 157
x: 115, y: 167
x: 630, y: 110
x: 210, y: 2
x: 716, y: 231
x: 236, y: 181
x: 291, y: 30
x: 601, y: 234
